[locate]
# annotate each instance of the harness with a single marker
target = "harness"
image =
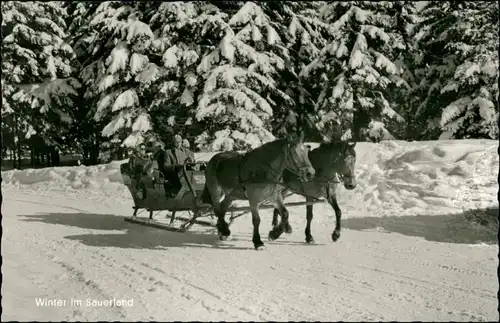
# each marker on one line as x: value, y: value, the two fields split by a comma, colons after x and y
x: 279, y: 180
x: 274, y: 172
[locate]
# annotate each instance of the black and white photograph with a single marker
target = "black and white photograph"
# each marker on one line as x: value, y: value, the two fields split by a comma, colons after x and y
x: 250, y: 161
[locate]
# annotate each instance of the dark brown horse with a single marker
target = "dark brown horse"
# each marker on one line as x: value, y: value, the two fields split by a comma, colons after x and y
x: 330, y: 160
x: 254, y: 176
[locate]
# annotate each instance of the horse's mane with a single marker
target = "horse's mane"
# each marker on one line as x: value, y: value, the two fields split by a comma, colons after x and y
x: 331, y: 144
x: 334, y: 145
x: 271, y: 146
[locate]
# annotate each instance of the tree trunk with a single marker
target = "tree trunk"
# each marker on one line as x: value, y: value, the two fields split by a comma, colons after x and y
x: 19, y: 155
x: 360, y: 122
x: 16, y: 162
x: 54, y: 156
x: 32, y: 155
x: 119, y: 153
x: 91, y: 153
x: 13, y: 157
x: 94, y: 156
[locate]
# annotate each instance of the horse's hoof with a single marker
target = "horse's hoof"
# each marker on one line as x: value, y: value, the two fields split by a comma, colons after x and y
x: 288, y: 229
x: 272, y: 235
x: 261, y: 247
x: 310, y: 240
x: 335, y: 236
x: 223, y: 237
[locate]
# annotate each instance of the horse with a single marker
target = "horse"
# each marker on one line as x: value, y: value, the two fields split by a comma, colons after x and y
x: 329, y: 160
x: 254, y: 176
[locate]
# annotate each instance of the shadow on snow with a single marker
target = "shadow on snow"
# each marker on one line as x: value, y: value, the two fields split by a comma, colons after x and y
x: 474, y: 226
x: 469, y: 227
x: 141, y: 237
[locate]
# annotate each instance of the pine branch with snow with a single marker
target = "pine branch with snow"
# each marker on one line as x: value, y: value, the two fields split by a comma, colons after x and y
x: 355, y: 70
x: 240, y: 93
x: 37, y: 67
x: 459, y: 68
x: 303, y: 32
x: 117, y: 71
x: 185, y: 32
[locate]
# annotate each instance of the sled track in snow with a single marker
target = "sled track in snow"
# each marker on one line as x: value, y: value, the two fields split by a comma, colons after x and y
x: 392, y: 277
x: 52, y: 252
x: 50, y: 204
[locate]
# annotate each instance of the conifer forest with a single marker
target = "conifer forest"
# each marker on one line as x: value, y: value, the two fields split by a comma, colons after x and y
x: 97, y: 78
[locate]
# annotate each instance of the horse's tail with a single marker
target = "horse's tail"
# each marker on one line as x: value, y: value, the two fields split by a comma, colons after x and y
x: 205, y: 195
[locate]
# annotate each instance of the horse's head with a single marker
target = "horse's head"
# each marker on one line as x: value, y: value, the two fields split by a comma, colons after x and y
x: 297, y: 159
x: 347, y: 161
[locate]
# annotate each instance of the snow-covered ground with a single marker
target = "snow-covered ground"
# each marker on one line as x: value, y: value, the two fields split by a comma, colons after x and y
x: 406, y: 253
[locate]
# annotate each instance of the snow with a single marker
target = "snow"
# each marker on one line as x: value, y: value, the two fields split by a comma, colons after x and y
x: 400, y: 256
x: 170, y: 57
x: 272, y: 35
x: 135, y: 28
x: 107, y: 81
x: 187, y: 97
x: 142, y: 123
x: 486, y: 108
x: 454, y: 109
x: 137, y: 62
x: 118, y: 58
x: 117, y: 123
x: 150, y: 74
x: 383, y: 61
x: 127, y: 99
x: 227, y: 49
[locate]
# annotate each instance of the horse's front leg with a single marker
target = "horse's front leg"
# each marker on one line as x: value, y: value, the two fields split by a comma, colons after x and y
x: 332, y: 200
x: 276, y: 213
x: 257, y: 242
x: 309, y: 217
x: 220, y: 212
x: 284, y: 225
x: 275, y: 217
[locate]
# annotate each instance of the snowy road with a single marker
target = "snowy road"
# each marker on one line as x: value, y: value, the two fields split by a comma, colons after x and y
x: 62, y: 247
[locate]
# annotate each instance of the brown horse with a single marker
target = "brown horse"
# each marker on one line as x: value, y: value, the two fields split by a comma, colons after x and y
x: 254, y: 176
x: 329, y: 160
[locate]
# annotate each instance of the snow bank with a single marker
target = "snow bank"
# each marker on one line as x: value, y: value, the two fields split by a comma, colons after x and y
x: 432, y: 177
x: 394, y: 177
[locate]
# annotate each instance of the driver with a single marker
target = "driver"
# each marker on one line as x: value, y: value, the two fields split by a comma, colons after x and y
x: 178, y: 154
x: 174, y: 162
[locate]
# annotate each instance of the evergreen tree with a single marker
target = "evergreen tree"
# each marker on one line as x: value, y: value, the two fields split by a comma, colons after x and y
x: 184, y: 31
x: 37, y: 83
x: 304, y: 34
x: 354, y: 71
x: 116, y: 46
x: 458, y: 69
x: 403, y: 17
x: 240, y: 93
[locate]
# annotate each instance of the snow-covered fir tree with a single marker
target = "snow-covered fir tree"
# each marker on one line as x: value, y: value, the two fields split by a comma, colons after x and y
x: 239, y: 88
x: 403, y: 17
x: 354, y: 71
x: 458, y: 70
x: 183, y: 30
x: 37, y: 69
x: 85, y: 136
x: 304, y: 34
x: 231, y: 75
x: 117, y: 73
